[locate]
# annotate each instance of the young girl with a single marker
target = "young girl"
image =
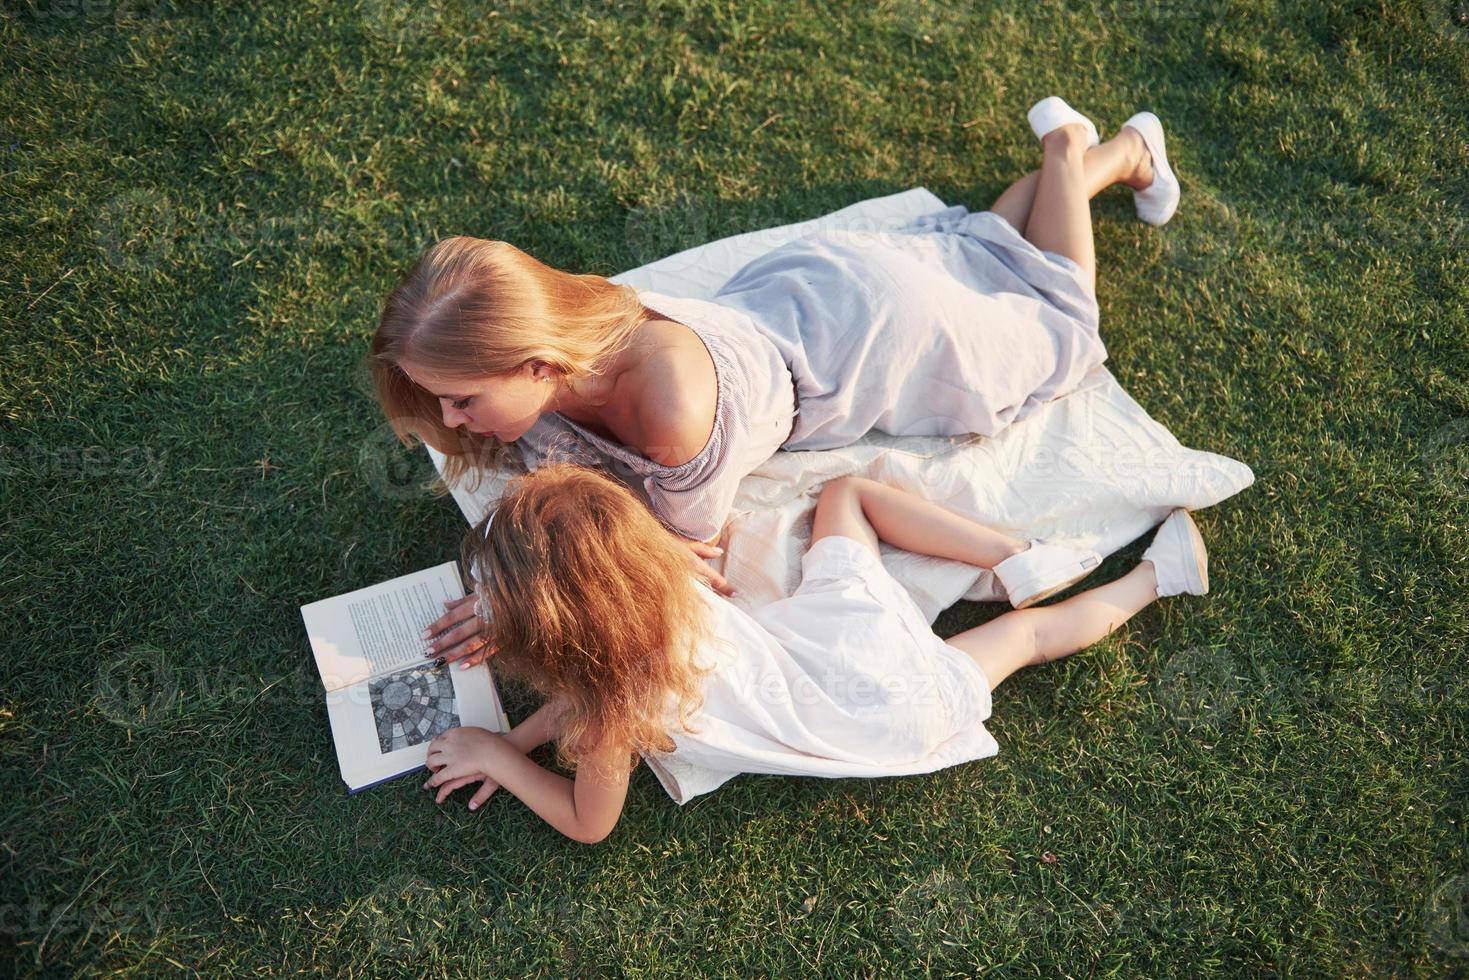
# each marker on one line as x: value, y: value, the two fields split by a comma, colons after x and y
x: 635, y: 657
x: 950, y: 324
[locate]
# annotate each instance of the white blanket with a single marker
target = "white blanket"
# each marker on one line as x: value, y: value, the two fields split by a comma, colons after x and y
x: 1090, y: 466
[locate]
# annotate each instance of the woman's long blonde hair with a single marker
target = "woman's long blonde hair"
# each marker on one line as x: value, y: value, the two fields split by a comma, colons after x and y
x: 471, y: 308
x: 592, y: 603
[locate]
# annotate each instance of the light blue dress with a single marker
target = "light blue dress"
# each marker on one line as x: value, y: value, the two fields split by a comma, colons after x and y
x: 948, y: 324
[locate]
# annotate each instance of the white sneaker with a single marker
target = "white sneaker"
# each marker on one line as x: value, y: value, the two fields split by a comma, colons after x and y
x: 1052, y: 113
x: 1180, y: 560
x: 1043, y: 570
x: 1155, y: 203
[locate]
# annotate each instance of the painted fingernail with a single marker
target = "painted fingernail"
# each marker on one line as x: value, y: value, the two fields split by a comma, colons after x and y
x: 440, y: 662
x: 718, y: 551
x: 473, y: 805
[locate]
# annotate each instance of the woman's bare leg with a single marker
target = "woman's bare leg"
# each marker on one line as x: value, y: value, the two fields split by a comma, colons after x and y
x: 1063, y: 187
x: 867, y: 511
x: 1023, y: 637
x: 1123, y: 159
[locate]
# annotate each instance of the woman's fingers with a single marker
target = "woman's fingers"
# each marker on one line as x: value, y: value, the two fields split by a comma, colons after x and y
x: 699, y: 550
x: 485, y: 651
x: 459, y: 641
x: 476, y: 646
x: 457, y: 611
x: 716, y: 581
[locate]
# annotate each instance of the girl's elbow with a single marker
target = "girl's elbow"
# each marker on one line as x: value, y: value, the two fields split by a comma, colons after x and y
x: 595, y: 830
x: 590, y: 835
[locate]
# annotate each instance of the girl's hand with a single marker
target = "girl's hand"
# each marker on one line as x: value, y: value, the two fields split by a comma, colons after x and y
x: 458, y: 757
x: 699, y: 550
x: 480, y: 795
x: 459, y: 634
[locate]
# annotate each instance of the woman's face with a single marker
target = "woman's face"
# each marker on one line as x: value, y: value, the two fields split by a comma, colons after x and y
x: 504, y: 405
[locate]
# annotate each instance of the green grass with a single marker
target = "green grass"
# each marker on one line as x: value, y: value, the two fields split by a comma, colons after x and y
x: 202, y: 210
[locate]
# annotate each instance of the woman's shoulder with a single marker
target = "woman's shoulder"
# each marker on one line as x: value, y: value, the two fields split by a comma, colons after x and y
x: 676, y: 394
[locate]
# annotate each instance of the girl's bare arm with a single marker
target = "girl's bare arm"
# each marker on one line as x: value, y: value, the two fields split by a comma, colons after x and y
x: 584, y: 809
x: 538, y: 728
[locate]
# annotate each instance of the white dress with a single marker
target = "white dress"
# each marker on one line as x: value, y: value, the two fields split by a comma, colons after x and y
x: 843, y: 678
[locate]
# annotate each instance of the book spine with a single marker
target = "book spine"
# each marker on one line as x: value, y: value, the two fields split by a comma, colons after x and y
x: 422, y: 664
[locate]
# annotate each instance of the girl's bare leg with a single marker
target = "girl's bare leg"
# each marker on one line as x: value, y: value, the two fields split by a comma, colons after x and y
x: 867, y: 511
x: 1050, y: 207
x: 1023, y: 637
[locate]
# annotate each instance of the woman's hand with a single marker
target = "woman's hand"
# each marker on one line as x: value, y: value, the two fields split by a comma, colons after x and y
x: 458, y: 758
x: 459, y: 634
x: 698, y: 551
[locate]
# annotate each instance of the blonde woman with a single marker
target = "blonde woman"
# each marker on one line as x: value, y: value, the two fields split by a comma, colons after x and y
x: 954, y: 323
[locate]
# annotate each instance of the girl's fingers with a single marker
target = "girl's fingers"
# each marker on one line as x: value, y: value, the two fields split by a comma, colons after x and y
x: 461, y: 781
x: 482, y: 794
x: 454, y: 784
x: 705, y: 550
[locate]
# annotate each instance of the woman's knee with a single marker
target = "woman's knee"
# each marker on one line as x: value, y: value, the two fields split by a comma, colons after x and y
x: 1066, y: 141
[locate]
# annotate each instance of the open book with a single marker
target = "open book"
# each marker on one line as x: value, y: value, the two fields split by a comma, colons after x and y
x: 384, y: 697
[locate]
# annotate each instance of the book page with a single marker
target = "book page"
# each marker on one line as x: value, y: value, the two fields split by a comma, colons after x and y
x: 382, y: 727
x: 384, y: 622
x: 377, y: 629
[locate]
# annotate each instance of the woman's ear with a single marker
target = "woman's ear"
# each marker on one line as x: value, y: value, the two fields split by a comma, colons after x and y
x: 542, y: 371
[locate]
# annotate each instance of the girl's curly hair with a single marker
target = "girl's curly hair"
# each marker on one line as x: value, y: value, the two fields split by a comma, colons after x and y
x: 592, y: 603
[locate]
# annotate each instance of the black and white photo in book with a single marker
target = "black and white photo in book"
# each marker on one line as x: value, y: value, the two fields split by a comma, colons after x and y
x: 385, y: 699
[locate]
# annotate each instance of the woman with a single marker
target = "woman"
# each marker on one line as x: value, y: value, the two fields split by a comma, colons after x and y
x: 955, y: 323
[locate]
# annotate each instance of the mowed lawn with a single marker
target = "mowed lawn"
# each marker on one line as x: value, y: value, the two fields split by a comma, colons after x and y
x: 203, y: 208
